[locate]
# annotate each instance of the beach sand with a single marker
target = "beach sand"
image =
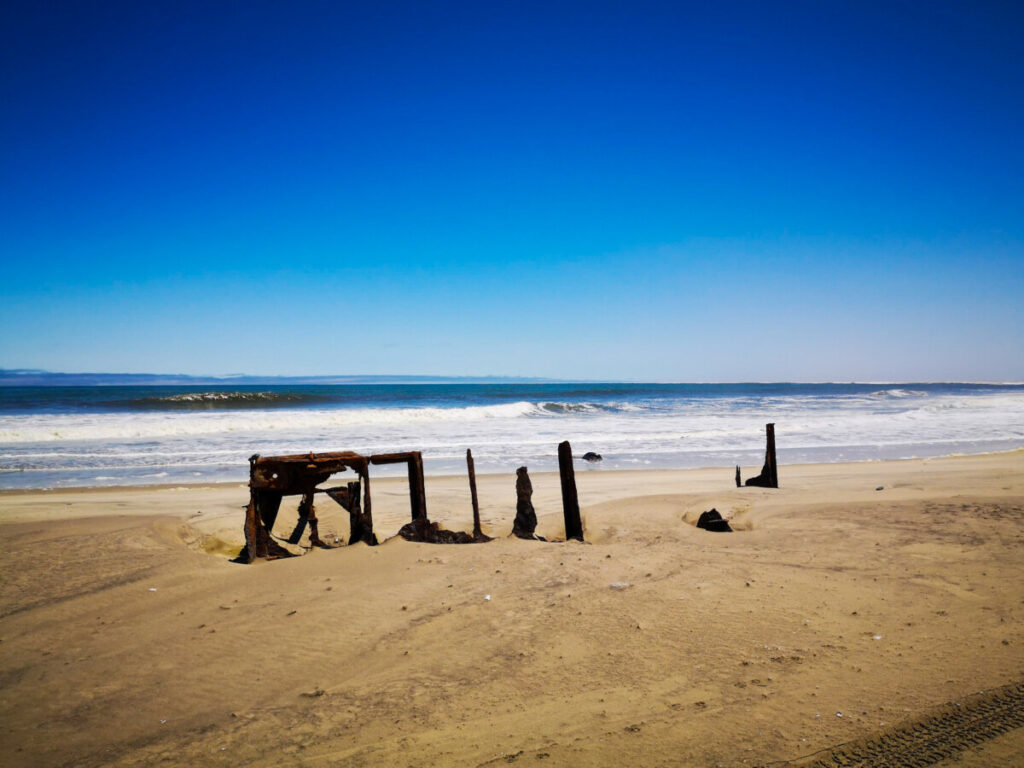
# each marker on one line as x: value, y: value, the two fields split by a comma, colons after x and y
x: 835, y: 613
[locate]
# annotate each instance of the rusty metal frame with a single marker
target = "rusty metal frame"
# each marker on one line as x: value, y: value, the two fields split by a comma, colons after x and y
x: 271, y: 478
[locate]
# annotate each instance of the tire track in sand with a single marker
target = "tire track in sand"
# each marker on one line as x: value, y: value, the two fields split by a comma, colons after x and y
x: 933, y: 738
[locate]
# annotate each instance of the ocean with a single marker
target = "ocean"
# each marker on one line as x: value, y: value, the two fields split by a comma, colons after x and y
x: 56, y: 436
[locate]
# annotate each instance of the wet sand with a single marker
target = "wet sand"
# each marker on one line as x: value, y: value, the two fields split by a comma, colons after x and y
x: 833, y: 613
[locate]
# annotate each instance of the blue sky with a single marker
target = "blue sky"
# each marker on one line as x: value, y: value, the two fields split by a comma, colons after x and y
x: 641, y: 191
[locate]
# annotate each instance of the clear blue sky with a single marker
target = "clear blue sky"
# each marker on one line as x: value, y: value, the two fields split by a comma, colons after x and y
x: 652, y: 191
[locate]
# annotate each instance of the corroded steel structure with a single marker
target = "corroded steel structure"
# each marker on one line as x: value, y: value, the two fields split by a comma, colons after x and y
x: 271, y: 478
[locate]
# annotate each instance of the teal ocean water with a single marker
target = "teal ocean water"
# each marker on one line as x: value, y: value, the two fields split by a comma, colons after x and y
x: 54, y: 436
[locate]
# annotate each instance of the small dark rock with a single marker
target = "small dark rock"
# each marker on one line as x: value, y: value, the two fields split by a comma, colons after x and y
x: 712, y: 520
x: 591, y: 456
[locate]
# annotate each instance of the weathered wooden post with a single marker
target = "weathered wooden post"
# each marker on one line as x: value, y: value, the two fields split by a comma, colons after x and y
x: 738, y: 481
x: 769, y: 477
x: 570, y: 501
x: 417, y: 492
x: 526, y: 518
x: 477, y: 533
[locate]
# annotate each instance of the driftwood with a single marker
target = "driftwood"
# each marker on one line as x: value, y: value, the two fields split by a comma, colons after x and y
x: 769, y: 477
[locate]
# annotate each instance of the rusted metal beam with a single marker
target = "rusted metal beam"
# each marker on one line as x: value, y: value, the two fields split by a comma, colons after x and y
x: 360, y: 524
x: 295, y: 474
x: 570, y: 501
x: 417, y: 492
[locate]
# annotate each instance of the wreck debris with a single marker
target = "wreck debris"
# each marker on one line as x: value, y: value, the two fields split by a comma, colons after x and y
x: 769, y: 477
x: 417, y: 494
x: 739, y: 482
x: 526, y: 518
x: 712, y: 520
x: 426, y: 532
x: 360, y: 524
x: 271, y: 478
x: 478, y: 534
x: 570, y: 501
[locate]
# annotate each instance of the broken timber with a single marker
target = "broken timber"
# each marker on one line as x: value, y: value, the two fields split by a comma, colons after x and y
x: 769, y: 477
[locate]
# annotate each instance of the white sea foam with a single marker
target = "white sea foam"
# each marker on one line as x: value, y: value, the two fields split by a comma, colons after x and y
x: 63, y: 448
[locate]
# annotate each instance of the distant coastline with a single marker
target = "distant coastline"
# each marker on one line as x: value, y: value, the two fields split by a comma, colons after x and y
x: 27, y: 377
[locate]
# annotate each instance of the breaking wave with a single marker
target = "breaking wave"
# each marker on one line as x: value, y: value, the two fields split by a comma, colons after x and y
x: 210, y: 434
x: 897, y: 394
x: 208, y: 400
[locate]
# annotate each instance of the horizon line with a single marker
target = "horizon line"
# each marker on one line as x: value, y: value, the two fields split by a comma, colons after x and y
x: 9, y: 377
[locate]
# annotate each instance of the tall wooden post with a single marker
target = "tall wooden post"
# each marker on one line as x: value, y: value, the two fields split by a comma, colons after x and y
x: 770, y: 465
x: 417, y: 492
x: 477, y: 533
x: 570, y: 501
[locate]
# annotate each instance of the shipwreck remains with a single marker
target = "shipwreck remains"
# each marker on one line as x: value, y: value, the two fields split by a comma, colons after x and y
x: 271, y: 478
x: 570, y: 501
x: 712, y: 520
x: 769, y: 477
x: 526, y: 517
x: 478, y: 534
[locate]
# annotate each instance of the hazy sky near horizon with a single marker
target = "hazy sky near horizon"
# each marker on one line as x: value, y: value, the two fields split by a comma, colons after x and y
x: 640, y: 191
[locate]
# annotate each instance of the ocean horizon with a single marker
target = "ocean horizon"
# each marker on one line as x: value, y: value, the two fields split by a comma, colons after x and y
x: 144, y: 434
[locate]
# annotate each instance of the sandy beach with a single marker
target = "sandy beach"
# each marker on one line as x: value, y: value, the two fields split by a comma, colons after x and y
x: 850, y: 605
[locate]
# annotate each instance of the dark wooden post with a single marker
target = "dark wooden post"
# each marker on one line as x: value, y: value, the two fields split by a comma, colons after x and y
x: 771, y: 467
x: 417, y: 492
x: 570, y: 501
x: 769, y: 477
x: 364, y: 476
x: 477, y: 533
x: 738, y: 481
x: 526, y: 517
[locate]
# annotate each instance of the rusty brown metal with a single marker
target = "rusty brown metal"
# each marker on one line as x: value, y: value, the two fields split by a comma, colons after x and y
x: 271, y: 478
x: 417, y: 492
x: 360, y: 522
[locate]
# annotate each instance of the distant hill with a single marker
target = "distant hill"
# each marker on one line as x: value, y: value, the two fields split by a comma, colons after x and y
x: 25, y: 377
